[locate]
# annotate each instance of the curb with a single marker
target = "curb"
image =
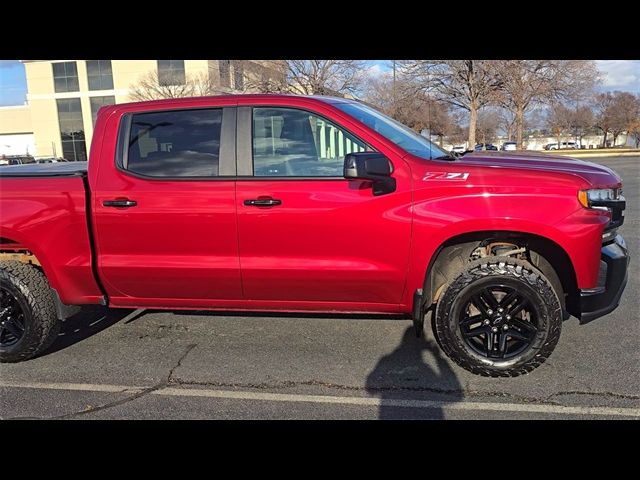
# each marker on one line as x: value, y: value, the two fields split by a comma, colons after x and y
x: 596, y: 155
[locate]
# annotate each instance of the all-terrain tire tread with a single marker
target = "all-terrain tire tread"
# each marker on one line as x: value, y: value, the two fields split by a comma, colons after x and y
x: 494, y: 266
x: 40, y: 300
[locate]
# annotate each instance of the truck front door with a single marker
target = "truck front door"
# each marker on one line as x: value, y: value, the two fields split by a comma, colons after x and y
x: 309, y: 238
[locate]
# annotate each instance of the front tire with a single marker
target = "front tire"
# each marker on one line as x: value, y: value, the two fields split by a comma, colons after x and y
x: 500, y: 317
x: 28, y: 320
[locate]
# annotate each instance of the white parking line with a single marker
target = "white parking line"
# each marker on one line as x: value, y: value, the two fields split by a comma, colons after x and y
x: 338, y: 400
x: 85, y: 387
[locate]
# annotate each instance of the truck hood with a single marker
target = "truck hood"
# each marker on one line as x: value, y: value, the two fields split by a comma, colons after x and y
x: 594, y: 174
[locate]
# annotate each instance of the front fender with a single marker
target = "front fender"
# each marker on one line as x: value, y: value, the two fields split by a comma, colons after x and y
x: 576, y: 230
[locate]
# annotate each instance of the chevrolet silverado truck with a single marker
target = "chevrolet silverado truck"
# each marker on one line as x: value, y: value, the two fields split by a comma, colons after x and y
x: 299, y: 204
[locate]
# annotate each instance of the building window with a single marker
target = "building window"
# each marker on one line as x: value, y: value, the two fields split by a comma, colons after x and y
x: 224, y: 67
x: 99, y: 73
x: 71, y: 129
x: 238, y: 75
x: 97, y: 102
x: 65, y: 77
x: 171, y: 72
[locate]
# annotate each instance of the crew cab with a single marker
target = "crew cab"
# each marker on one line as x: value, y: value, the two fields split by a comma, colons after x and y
x: 310, y: 204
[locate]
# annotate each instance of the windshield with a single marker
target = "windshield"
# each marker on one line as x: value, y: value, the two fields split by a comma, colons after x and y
x: 398, y: 133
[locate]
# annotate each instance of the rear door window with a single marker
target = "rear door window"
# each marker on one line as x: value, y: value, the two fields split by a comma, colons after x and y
x: 179, y: 143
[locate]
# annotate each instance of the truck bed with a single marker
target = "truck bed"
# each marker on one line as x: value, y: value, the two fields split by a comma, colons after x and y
x: 59, y: 169
x: 44, y: 213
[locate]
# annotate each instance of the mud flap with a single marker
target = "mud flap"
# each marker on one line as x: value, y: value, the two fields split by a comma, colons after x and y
x: 418, y: 313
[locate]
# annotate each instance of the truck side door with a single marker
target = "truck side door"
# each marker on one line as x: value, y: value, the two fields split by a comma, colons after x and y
x: 309, y: 237
x: 164, y: 211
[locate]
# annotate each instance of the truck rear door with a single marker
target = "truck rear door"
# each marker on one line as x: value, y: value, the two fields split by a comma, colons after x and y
x: 164, y: 210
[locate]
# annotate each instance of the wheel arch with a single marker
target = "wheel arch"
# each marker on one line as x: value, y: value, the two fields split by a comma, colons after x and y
x: 544, y: 254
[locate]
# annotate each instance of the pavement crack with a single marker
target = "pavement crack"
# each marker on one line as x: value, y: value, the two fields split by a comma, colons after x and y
x: 115, y: 403
x: 621, y: 396
x: 190, y: 347
x: 139, y: 393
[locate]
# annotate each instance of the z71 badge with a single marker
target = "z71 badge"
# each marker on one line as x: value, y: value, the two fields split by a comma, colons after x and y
x: 459, y: 176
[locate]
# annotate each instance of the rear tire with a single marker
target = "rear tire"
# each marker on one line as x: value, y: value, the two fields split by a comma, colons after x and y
x: 499, y: 317
x: 28, y: 320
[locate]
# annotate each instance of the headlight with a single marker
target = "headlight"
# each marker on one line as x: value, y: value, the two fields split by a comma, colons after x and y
x: 598, y: 197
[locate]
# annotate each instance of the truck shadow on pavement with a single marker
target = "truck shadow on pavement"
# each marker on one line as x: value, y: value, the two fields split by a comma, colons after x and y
x: 89, y: 321
x: 406, y: 383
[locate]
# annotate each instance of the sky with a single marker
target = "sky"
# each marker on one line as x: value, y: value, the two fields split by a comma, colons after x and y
x: 618, y: 75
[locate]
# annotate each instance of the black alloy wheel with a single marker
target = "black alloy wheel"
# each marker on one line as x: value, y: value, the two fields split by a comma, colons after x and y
x: 12, y: 322
x: 499, y: 321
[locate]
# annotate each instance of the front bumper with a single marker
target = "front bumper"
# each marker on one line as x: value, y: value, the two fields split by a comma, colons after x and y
x: 597, y: 302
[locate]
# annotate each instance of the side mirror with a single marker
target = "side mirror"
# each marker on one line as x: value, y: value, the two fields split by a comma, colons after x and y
x: 371, y: 166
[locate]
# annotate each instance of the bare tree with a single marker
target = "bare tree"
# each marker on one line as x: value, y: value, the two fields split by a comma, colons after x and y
x: 203, y: 84
x: 582, y: 122
x: 466, y: 84
x: 151, y: 87
x: 487, y: 125
x: 527, y: 83
x: 634, y: 125
x: 626, y: 113
x: 312, y: 77
x: 603, y: 106
x: 507, y: 122
x: 410, y: 106
x: 559, y: 121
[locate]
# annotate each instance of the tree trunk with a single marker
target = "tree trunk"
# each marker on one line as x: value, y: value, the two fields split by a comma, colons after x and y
x: 473, y: 121
x: 615, y: 137
x: 519, y: 127
x: 604, y: 140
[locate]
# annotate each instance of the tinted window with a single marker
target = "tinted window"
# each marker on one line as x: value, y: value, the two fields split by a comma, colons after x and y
x: 171, y: 72
x: 97, y: 102
x: 294, y: 143
x: 65, y: 77
x: 183, y: 143
x: 99, y: 74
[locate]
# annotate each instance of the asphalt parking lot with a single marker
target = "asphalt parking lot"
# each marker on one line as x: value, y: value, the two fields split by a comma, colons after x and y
x: 170, y: 365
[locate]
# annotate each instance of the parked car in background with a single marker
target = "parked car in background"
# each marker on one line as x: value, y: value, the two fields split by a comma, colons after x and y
x: 509, y: 146
x: 565, y: 145
x: 485, y: 146
x: 50, y: 160
x: 16, y: 159
x: 459, y: 149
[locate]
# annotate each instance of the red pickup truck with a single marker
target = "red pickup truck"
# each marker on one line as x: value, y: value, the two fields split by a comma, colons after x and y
x: 291, y: 203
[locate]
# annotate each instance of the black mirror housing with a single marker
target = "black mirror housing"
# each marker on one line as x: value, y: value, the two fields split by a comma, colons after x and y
x: 372, y: 166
